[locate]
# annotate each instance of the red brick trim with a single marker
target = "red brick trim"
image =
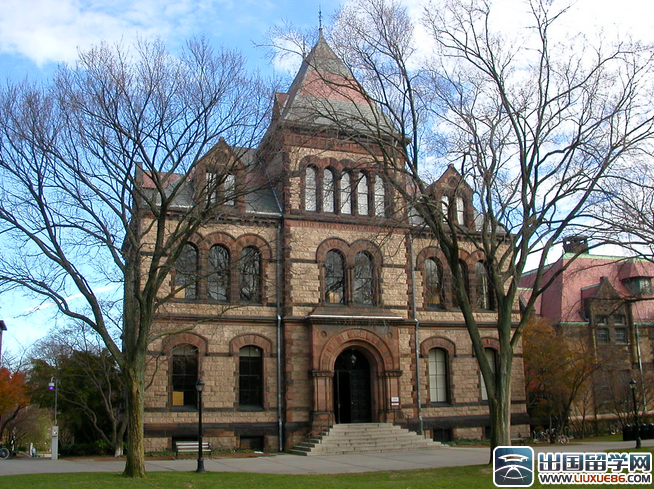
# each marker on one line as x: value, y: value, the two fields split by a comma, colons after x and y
x: 188, y: 338
x: 250, y: 339
x: 438, y: 342
x: 464, y: 256
x: 196, y: 239
x: 491, y: 343
x: 365, y: 245
x: 477, y: 256
x: 332, y: 244
x: 366, y: 340
x: 430, y: 252
x: 258, y: 242
x: 218, y: 238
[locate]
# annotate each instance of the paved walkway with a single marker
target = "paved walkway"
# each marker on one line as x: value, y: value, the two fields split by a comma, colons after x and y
x: 296, y: 464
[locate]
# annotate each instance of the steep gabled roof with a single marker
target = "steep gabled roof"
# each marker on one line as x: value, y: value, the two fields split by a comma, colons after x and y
x: 325, y: 93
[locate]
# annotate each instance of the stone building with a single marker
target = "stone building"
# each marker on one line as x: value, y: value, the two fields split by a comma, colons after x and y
x: 607, y: 304
x: 316, y: 302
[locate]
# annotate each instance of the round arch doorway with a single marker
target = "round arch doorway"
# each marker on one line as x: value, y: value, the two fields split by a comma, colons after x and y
x: 352, y: 388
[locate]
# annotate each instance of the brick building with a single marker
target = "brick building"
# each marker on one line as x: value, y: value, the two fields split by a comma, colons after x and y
x: 316, y: 302
x: 607, y: 303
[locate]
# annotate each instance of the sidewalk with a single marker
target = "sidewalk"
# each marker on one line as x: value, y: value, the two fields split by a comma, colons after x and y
x: 296, y: 464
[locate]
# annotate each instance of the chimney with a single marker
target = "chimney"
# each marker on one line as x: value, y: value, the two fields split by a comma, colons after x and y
x: 575, y: 244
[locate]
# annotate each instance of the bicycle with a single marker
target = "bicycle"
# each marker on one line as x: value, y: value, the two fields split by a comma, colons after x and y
x: 562, y: 439
x: 5, y: 453
x: 540, y: 437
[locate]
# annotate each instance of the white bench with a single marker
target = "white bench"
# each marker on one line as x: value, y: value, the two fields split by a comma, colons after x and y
x: 191, y: 447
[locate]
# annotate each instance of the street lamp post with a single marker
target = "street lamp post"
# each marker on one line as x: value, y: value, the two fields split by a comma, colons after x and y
x: 632, y: 385
x: 199, y: 385
x: 54, y: 446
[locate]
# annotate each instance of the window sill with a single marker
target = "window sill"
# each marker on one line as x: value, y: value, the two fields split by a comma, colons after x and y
x: 256, y: 409
x: 184, y: 409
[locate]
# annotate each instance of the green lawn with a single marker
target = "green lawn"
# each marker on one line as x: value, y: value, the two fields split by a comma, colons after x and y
x: 454, y: 477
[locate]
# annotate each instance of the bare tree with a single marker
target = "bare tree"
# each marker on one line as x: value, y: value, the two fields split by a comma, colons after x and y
x: 531, y: 127
x: 106, y: 173
x: 624, y: 206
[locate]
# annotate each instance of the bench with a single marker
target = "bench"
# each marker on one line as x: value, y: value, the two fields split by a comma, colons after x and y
x: 520, y: 440
x: 191, y: 447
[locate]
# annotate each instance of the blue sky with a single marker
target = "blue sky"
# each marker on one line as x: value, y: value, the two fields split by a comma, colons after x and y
x: 36, y: 35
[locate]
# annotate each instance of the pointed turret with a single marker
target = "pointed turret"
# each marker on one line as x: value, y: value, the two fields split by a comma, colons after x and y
x: 325, y: 93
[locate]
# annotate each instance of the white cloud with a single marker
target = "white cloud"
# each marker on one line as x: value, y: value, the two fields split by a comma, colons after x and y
x: 53, y: 30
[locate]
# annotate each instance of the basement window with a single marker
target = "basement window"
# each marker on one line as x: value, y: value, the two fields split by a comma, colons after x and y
x: 254, y: 443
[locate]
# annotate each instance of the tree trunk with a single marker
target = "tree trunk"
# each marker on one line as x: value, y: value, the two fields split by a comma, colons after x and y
x: 500, y: 402
x: 134, y: 386
x: 500, y: 414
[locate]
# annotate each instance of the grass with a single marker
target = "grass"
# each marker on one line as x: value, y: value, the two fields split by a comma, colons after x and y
x: 473, y: 477
x: 455, y: 477
x: 617, y: 437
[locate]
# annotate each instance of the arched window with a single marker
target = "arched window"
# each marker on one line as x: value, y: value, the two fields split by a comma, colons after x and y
x: 363, y: 279
x: 438, y: 387
x: 184, y: 375
x: 362, y: 195
x: 230, y: 189
x: 213, y: 184
x: 310, y: 189
x: 380, y: 197
x: 218, y: 280
x: 334, y: 278
x: 445, y: 206
x: 250, y: 275
x: 433, y: 283
x: 491, y: 355
x: 482, y: 287
x: 250, y: 377
x: 466, y: 284
x: 328, y: 192
x: 186, y: 272
x: 460, y: 211
x: 346, y: 194
x: 221, y: 188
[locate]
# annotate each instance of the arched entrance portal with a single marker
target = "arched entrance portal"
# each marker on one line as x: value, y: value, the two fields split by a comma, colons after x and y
x: 352, y: 388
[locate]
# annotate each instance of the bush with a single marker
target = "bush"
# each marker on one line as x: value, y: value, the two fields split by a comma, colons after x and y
x: 98, y: 447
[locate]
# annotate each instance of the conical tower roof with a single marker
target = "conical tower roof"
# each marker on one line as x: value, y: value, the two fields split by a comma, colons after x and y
x: 325, y: 93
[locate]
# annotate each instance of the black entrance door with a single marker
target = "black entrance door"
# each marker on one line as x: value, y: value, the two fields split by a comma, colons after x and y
x: 352, y: 397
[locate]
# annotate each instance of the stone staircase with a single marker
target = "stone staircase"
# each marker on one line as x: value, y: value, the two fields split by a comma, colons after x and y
x: 364, y: 438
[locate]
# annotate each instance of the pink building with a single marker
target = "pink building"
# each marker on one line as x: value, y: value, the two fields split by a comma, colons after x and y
x: 607, y: 301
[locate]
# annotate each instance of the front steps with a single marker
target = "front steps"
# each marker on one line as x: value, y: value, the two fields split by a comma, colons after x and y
x: 364, y: 438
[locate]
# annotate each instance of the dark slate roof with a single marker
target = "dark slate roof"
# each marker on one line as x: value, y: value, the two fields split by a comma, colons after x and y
x: 262, y: 201
x: 259, y: 199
